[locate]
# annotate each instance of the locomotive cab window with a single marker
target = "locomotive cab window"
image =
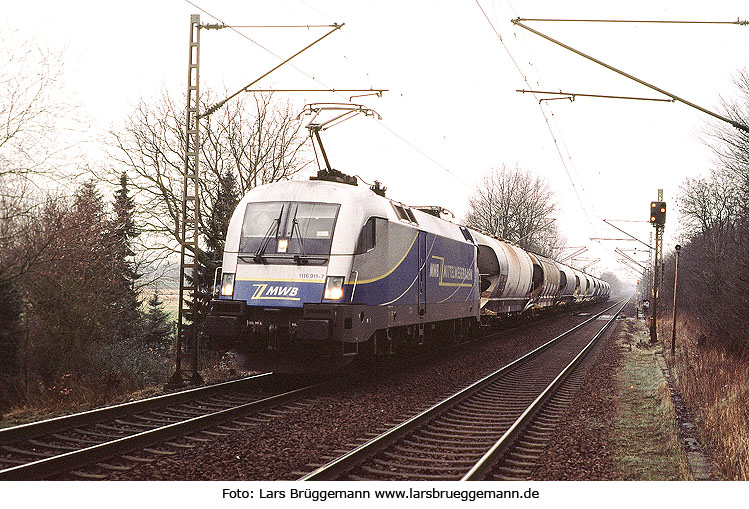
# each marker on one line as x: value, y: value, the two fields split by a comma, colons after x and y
x: 367, y: 237
x: 288, y: 232
x: 310, y: 228
x: 261, y: 220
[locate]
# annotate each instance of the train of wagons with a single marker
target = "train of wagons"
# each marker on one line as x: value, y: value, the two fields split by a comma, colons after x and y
x: 318, y: 273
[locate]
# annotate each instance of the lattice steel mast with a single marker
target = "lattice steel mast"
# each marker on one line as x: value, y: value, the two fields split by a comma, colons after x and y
x: 657, y: 271
x: 188, y: 222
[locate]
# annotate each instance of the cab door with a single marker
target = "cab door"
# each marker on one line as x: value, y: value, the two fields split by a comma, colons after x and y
x: 422, y: 246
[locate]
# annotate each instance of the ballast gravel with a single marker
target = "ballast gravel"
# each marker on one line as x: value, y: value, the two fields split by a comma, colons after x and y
x: 304, y: 436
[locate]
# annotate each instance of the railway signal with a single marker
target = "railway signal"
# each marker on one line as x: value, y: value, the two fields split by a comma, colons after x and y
x: 658, y: 213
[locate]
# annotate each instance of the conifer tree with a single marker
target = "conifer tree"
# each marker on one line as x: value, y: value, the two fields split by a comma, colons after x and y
x: 158, y: 330
x: 223, y: 208
x: 214, y: 233
x: 10, y: 333
x: 123, y: 232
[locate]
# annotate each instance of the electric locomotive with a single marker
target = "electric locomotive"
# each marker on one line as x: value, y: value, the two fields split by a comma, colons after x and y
x: 318, y: 272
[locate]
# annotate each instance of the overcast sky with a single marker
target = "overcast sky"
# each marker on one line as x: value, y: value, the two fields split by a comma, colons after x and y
x: 452, y: 111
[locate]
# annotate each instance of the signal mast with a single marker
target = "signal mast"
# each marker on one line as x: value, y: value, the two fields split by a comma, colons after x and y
x: 658, y: 220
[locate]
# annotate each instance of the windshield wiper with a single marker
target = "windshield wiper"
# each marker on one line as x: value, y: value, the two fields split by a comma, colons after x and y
x: 298, y: 258
x: 266, y: 239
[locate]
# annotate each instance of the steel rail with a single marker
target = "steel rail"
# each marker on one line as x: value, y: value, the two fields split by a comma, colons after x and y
x: 486, y: 463
x: 346, y: 462
x: 56, y: 424
x: 68, y: 461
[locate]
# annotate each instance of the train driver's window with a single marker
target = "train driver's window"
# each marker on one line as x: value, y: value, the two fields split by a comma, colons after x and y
x: 367, y: 236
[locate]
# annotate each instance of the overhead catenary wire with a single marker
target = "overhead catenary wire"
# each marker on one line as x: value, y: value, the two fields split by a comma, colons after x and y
x: 272, y: 26
x: 557, y: 137
x: 336, y: 91
x: 574, y: 174
x: 572, y: 96
x: 625, y: 255
x: 734, y: 123
x: 673, y: 97
x: 376, y: 91
x: 546, y: 119
x: 245, y: 36
x: 218, y: 105
x: 665, y: 21
x: 246, y: 88
x: 403, y: 139
x: 424, y: 154
x: 627, y: 233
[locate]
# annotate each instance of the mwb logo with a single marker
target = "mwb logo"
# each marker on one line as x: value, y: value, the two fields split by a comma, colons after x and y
x: 265, y: 291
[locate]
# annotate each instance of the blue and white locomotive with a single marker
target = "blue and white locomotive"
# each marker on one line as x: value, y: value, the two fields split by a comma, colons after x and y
x: 317, y: 273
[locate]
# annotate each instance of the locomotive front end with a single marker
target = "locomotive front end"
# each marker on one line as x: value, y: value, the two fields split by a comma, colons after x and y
x: 286, y: 259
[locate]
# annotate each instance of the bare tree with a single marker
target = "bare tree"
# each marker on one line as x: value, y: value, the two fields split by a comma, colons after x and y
x: 76, y: 299
x: 32, y: 108
x: 731, y: 145
x: 517, y: 206
x: 714, y: 286
x: 256, y: 140
x: 32, y: 105
x: 711, y: 204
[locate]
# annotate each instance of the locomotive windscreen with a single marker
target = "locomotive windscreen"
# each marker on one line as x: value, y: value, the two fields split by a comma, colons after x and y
x: 260, y: 219
x: 288, y: 232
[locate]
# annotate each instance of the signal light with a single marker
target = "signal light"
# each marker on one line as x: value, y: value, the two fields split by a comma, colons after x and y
x: 658, y: 213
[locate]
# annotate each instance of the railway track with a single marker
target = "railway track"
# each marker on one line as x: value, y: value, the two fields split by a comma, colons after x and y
x: 492, y: 429
x: 67, y: 445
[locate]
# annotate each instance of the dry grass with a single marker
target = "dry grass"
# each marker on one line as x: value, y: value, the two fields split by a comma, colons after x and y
x: 49, y: 403
x: 71, y: 394
x: 668, y: 413
x: 715, y: 385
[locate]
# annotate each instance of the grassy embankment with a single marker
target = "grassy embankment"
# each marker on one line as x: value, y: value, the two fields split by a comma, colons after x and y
x: 715, y: 386
x: 644, y: 434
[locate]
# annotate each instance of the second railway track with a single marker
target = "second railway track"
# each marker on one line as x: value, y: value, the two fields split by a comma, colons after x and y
x: 465, y: 436
x: 62, y: 445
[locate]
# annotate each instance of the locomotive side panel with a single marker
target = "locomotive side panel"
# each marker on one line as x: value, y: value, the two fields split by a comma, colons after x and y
x: 419, y: 276
x: 384, y: 274
x: 452, y: 281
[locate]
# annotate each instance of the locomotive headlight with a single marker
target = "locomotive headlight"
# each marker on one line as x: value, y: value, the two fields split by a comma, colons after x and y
x: 227, y: 285
x: 283, y: 245
x: 333, y: 288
